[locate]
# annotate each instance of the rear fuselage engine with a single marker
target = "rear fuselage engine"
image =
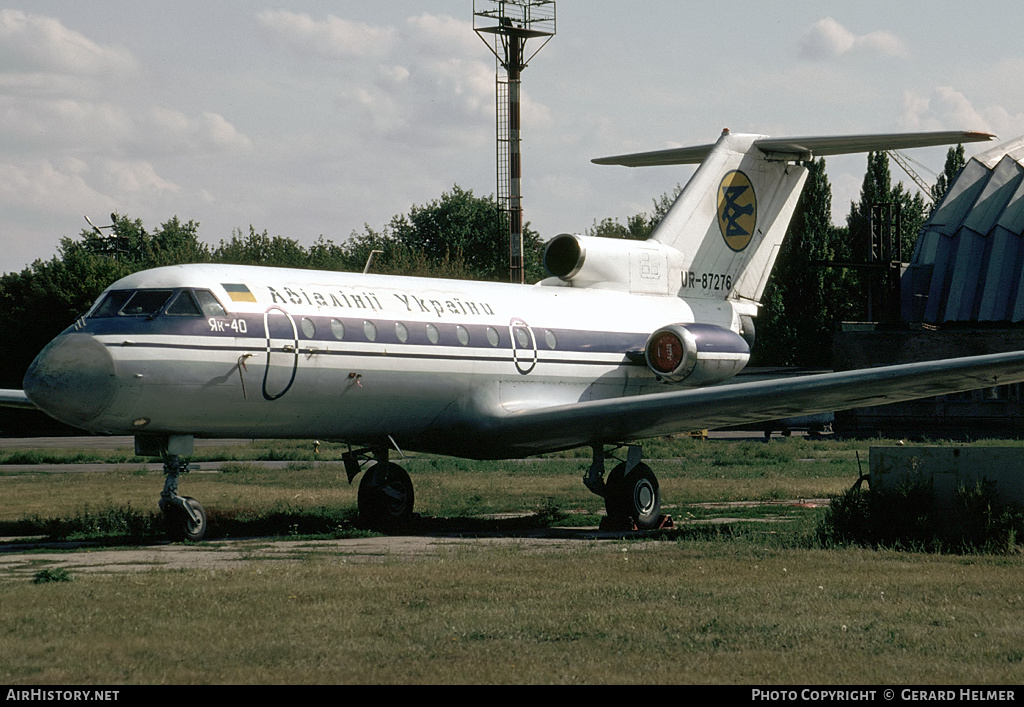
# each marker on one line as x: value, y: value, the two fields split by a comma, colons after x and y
x: 695, y: 354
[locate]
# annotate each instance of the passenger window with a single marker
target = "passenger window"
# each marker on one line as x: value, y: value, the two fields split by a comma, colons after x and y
x: 370, y: 329
x: 338, y: 329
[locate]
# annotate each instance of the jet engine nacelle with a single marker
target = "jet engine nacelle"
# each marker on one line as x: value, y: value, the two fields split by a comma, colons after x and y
x: 643, y: 267
x: 698, y: 354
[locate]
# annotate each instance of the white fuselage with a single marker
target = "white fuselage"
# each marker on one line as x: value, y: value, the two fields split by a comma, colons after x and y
x: 353, y: 357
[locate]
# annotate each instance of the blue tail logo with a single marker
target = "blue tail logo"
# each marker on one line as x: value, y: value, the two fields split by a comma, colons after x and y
x: 737, y: 209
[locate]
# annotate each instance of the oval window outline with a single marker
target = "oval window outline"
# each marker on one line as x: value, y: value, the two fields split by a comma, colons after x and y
x: 291, y: 347
x: 524, y: 345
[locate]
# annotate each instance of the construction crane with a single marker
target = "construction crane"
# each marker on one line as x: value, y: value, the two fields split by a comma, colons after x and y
x: 904, y: 162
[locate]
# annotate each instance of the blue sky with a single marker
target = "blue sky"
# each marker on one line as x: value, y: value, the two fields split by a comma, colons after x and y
x: 314, y: 118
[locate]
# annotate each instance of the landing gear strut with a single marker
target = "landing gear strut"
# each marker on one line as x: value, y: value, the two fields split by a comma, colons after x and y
x: 631, y: 494
x: 184, y: 517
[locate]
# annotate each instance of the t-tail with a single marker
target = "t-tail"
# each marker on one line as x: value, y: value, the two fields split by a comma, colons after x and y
x: 722, y: 235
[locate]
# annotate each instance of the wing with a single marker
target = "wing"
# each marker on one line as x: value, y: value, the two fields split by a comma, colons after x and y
x: 629, y: 419
x: 16, y: 399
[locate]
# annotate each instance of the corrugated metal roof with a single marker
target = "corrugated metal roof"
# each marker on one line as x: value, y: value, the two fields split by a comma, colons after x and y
x: 968, y: 264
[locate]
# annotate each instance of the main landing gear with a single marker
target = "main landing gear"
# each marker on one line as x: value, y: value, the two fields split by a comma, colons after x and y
x: 631, y: 495
x: 386, y: 495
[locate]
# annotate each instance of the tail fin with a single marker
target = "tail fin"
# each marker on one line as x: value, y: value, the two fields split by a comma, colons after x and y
x: 730, y: 219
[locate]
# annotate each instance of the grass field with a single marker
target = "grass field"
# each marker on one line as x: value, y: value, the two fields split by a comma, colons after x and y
x: 747, y: 603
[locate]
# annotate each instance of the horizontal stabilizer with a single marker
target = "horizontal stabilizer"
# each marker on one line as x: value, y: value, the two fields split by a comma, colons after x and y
x: 803, y: 148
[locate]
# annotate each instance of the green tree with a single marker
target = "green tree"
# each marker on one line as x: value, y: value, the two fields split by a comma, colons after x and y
x: 805, y: 299
x: 955, y: 162
x: 257, y: 248
x: 639, y: 226
x: 129, y: 243
x: 460, y: 233
x: 909, y: 212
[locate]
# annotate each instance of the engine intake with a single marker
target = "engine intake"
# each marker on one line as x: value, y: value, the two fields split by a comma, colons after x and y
x: 643, y: 267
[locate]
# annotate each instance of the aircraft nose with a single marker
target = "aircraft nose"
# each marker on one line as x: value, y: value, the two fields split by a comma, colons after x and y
x: 72, y: 379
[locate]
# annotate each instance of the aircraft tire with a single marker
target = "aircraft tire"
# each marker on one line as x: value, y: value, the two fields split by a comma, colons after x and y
x: 181, y: 527
x: 386, y: 496
x: 634, y: 496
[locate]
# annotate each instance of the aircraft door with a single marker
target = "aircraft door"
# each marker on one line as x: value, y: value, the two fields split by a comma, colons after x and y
x: 524, y: 345
x: 282, y: 353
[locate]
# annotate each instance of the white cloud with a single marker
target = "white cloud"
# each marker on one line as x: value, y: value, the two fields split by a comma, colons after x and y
x: 135, y: 177
x: 43, y: 185
x: 330, y: 38
x: 34, y: 43
x: 59, y: 124
x: 165, y: 130
x: 945, y: 108
x: 827, y: 39
x: 392, y: 78
x: 443, y: 35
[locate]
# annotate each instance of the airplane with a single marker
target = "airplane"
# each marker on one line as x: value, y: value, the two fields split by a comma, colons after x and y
x: 626, y: 340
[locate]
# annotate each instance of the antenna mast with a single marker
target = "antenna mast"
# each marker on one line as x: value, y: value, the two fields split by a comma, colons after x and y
x: 506, y: 28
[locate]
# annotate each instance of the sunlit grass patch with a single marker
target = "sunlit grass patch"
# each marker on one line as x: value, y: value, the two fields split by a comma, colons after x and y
x: 689, y: 611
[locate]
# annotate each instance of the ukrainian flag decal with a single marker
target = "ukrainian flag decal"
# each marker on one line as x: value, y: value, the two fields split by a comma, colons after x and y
x: 239, y: 292
x: 737, y: 209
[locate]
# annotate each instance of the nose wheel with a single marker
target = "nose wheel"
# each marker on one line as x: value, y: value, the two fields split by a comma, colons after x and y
x: 185, y: 521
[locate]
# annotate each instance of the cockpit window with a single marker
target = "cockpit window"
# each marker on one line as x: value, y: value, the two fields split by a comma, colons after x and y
x: 132, y: 303
x: 211, y: 307
x: 184, y: 305
x: 111, y: 304
x: 148, y: 303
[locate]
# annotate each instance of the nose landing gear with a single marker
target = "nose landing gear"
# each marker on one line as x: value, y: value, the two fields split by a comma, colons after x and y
x: 184, y: 517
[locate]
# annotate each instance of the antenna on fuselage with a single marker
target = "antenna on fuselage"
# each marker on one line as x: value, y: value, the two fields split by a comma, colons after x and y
x: 518, y: 21
x: 369, y: 260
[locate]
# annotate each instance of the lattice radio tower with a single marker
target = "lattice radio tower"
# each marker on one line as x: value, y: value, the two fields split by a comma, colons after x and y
x: 506, y: 27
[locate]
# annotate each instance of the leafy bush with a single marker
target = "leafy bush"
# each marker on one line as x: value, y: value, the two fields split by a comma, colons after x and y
x: 51, y: 575
x: 906, y: 517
